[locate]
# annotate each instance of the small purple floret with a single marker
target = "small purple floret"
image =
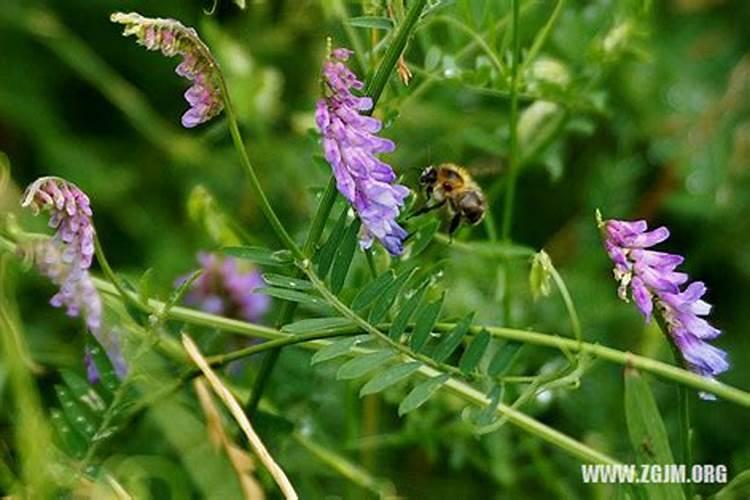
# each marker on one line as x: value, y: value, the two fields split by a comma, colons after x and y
x: 350, y: 145
x: 171, y: 38
x: 66, y: 257
x: 225, y: 289
x: 651, y: 279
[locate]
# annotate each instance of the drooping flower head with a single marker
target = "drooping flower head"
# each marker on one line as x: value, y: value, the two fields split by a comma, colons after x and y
x: 226, y: 289
x: 350, y: 144
x: 66, y: 257
x: 198, y: 65
x: 649, y: 277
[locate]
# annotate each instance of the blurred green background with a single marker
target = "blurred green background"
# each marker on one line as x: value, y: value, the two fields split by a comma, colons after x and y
x: 647, y: 115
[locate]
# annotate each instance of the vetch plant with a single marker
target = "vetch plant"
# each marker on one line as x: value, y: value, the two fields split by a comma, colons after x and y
x: 451, y: 316
x: 350, y: 144
x: 66, y: 258
x: 651, y: 279
x: 172, y: 38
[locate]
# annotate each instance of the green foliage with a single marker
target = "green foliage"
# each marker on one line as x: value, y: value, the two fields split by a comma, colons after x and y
x: 638, y: 108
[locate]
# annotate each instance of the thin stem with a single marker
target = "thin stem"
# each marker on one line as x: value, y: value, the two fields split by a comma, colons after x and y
x: 374, y: 90
x: 260, y: 195
x: 575, y: 323
x: 111, y: 276
x: 513, y: 125
x: 376, y: 85
x: 288, y: 308
x: 543, y: 35
x: 658, y: 368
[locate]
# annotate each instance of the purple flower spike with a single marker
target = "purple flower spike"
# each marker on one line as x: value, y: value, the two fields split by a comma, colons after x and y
x: 651, y: 279
x: 67, y: 256
x: 198, y: 65
x: 350, y: 145
x: 225, y: 289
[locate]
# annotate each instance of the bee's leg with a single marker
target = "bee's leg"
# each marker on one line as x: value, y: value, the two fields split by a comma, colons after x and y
x: 455, y: 222
x: 425, y: 209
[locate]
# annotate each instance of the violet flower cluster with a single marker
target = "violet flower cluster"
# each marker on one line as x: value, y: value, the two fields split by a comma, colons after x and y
x: 198, y: 65
x: 651, y: 279
x: 225, y: 289
x: 350, y: 144
x: 66, y: 257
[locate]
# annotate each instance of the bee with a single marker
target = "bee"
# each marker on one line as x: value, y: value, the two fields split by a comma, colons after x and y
x: 452, y: 185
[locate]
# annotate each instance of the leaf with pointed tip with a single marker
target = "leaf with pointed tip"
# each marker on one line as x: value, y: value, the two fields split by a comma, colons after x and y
x: 76, y: 415
x: 424, y: 323
x: 403, y: 317
x: 316, y: 325
x: 386, y: 300
x: 371, y: 291
x: 328, y: 251
x: 107, y: 375
x: 424, y: 237
x: 344, y: 255
x: 145, y: 285
x: 335, y: 349
x: 453, y: 339
x: 390, y: 376
x: 364, y: 364
x: 291, y: 295
x: 487, y: 415
x: 503, y: 358
x: 473, y: 354
x: 281, y: 281
x: 83, y: 392
x: 260, y: 255
x: 647, y: 432
x: 371, y: 22
x: 421, y: 393
x: 73, y: 443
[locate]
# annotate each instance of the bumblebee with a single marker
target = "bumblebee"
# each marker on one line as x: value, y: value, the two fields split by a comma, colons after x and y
x: 452, y: 185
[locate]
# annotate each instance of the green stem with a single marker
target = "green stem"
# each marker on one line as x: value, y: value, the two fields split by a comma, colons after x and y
x: 112, y: 277
x: 374, y: 90
x: 575, y: 323
x: 513, y: 125
x: 257, y: 189
x: 376, y: 85
x: 288, y: 308
x: 655, y: 367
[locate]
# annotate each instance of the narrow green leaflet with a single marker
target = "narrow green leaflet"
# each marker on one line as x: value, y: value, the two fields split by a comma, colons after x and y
x: 281, y: 281
x: 371, y: 291
x: 487, y: 415
x: 316, y: 325
x: 503, y: 358
x: 403, y: 317
x: 260, y: 255
x: 364, y: 364
x: 328, y: 251
x: 107, y: 376
x: 424, y: 323
x: 76, y: 415
x: 453, y: 339
x: 388, y: 297
x: 424, y: 237
x: 648, y: 436
x: 145, y: 285
x: 83, y: 392
x: 291, y: 295
x: 421, y: 393
x: 335, y: 349
x: 387, y: 378
x: 739, y: 487
x: 473, y: 354
x: 372, y: 22
x: 344, y: 255
x: 73, y: 443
